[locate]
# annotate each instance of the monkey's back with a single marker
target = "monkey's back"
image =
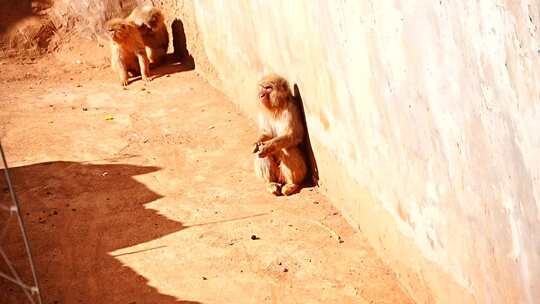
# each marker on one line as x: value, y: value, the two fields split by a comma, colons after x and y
x: 151, y: 22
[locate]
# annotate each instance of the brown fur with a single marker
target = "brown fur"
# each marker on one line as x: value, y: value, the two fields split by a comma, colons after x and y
x: 279, y: 160
x: 127, y: 50
x: 151, y: 24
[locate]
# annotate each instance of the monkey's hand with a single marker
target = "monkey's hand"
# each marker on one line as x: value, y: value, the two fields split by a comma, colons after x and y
x: 256, y: 147
x: 265, y: 149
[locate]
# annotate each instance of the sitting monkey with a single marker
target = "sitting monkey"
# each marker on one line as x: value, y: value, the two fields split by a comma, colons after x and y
x: 279, y: 160
x: 127, y: 50
x: 151, y: 24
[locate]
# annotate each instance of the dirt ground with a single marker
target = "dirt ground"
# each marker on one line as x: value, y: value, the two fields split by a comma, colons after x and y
x: 147, y: 195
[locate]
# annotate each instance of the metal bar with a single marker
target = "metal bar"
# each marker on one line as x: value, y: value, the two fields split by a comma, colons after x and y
x: 15, y: 281
x: 15, y: 275
x: 21, y: 223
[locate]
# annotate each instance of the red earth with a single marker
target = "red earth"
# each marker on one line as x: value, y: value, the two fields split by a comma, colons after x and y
x: 147, y: 195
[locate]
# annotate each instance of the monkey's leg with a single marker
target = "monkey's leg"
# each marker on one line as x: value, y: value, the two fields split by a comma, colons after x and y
x: 151, y: 54
x: 144, y: 66
x: 118, y: 64
x: 122, y: 71
x: 293, y: 170
x: 267, y: 169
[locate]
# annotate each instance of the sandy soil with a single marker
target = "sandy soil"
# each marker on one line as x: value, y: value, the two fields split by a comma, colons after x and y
x: 147, y: 195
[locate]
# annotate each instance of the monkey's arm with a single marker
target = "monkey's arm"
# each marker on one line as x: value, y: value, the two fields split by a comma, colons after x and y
x: 265, y: 130
x: 285, y: 141
x: 264, y: 137
x: 292, y: 137
x: 120, y: 68
x: 275, y: 144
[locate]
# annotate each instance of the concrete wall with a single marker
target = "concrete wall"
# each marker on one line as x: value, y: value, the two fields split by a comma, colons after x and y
x: 425, y: 121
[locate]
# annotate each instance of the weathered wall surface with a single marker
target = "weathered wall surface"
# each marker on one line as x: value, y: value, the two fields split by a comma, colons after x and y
x: 425, y: 120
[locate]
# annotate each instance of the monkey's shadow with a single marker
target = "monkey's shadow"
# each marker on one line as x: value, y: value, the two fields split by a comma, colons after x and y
x: 173, y: 65
x: 312, y: 178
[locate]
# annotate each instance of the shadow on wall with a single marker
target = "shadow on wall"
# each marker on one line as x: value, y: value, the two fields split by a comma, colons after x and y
x: 76, y: 214
x: 306, y: 144
x: 180, y: 43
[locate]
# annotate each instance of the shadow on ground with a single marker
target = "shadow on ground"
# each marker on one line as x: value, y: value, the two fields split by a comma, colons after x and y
x: 76, y: 214
x: 173, y: 65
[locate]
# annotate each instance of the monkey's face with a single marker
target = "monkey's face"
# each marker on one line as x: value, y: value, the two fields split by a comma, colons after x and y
x: 274, y: 92
x: 145, y: 30
x: 118, y: 30
x: 153, y: 22
x: 265, y: 91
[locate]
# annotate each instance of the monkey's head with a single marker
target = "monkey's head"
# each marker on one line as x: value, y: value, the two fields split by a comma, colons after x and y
x: 274, y: 92
x: 156, y: 19
x: 149, y: 18
x: 118, y: 29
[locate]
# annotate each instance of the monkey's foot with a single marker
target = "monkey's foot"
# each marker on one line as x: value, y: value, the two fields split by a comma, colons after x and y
x: 289, y: 189
x: 274, y: 188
